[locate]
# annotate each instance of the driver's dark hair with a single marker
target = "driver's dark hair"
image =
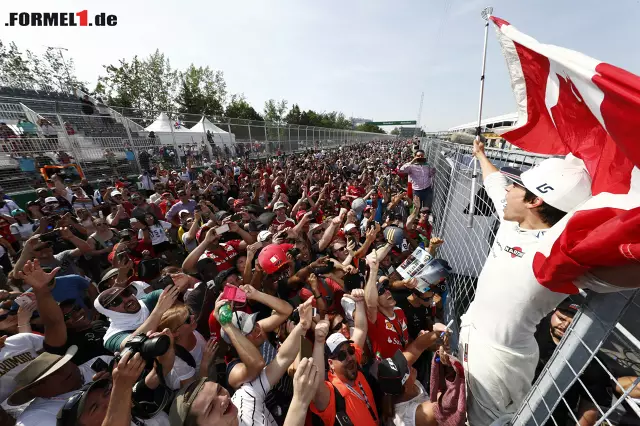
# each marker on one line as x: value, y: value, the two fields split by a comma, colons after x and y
x: 549, y: 214
x: 420, y: 150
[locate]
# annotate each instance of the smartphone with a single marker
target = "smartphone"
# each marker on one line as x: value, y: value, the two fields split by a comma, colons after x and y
x: 234, y: 293
x: 306, y: 348
x: 236, y: 217
x: 165, y: 281
x: 52, y: 236
x: 22, y: 300
x: 99, y: 365
x: 222, y: 229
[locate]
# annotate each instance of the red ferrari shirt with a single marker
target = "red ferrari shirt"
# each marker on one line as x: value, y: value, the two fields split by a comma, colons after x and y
x: 388, y: 335
x: 224, y: 254
x: 330, y: 291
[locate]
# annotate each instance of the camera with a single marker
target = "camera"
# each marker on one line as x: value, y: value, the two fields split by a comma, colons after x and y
x: 148, y: 348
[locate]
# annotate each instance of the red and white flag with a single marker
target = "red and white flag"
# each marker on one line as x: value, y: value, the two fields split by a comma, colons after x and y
x: 571, y: 103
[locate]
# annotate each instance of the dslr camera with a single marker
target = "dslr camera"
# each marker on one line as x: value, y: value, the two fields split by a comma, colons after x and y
x: 148, y: 348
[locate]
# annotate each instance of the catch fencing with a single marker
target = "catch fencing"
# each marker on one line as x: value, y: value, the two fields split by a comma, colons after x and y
x: 109, y: 142
x: 590, y: 378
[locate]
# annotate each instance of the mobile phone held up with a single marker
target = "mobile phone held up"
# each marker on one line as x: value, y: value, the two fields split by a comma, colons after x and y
x: 222, y: 229
x: 234, y: 294
x: 306, y: 348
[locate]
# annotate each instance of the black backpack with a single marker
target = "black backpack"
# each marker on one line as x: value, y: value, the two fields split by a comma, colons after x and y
x: 342, y: 419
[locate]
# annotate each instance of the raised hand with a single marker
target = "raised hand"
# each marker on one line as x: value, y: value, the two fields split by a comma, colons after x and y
x: 128, y: 370
x: 357, y: 294
x: 25, y: 312
x: 305, y: 381
x: 322, y: 329
x: 167, y: 298
x: 250, y: 291
x: 411, y: 283
x: 306, y: 314
x: 33, y: 275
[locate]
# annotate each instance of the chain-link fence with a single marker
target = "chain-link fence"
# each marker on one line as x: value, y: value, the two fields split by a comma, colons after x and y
x: 108, y: 142
x: 591, y: 376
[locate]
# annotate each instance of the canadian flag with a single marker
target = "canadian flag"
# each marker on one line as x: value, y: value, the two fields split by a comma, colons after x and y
x: 571, y: 103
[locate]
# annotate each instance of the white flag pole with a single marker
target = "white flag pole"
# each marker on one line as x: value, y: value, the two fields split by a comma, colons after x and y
x: 486, y: 13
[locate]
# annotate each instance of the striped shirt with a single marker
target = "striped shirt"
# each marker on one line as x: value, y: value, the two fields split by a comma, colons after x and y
x: 420, y: 175
x: 250, y: 401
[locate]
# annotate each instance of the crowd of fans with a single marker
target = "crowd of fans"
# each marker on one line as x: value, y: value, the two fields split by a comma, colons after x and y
x: 250, y: 292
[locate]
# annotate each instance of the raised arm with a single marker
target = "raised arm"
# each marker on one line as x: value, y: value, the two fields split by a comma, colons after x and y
x: 360, y: 330
x: 321, y: 398
x: 82, y: 246
x: 55, y: 330
x: 371, y: 289
x: 283, y: 308
x: 486, y: 165
x: 290, y: 348
x: 125, y: 375
x: 189, y: 264
x: 252, y: 362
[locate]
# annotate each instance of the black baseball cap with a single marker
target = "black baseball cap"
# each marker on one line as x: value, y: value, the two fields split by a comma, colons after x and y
x: 71, y: 411
x: 393, y: 373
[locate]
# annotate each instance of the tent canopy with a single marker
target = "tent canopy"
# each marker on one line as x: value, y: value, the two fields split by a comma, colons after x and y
x: 164, y: 124
x: 208, y: 125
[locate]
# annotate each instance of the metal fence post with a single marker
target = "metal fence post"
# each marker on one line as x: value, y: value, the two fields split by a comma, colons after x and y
x: 133, y: 148
x: 590, y: 328
x: 74, y: 150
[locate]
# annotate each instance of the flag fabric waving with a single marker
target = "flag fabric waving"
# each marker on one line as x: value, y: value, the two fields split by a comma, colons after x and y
x: 571, y: 103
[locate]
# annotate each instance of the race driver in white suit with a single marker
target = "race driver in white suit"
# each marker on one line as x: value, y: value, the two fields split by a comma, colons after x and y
x: 496, y: 342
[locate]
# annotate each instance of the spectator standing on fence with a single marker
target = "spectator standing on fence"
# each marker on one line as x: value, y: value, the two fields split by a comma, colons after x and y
x: 49, y: 132
x: 29, y: 129
x: 420, y: 177
x: 87, y: 105
x: 498, y: 347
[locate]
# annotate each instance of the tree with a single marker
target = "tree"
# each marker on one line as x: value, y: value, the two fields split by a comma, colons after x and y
x: 293, y: 117
x: 275, y: 111
x: 368, y: 127
x: 145, y: 86
x: 202, y: 91
x: 239, y: 108
x: 395, y: 131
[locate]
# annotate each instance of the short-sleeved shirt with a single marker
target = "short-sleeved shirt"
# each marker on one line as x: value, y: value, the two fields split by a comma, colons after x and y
x: 250, y: 400
x: 18, y: 351
x: 388, y: 335
x: 65, y: 260
x: 331, y: 293
x: 224, y: 254
x: 355, y: 401
x: 156, y: 232
x: 150, y: 300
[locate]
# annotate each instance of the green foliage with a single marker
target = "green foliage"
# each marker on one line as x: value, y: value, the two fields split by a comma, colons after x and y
x: 368, y: 127
x: 50, y: 72
x: 395, y: 131
x: 239, y: 108
x: 202, y: 91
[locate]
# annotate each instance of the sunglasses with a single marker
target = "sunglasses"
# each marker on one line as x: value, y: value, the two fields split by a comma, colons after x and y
x: 74, y: 308
x: 117, y: 301
x: 383, y: 288
x: 342, y: 355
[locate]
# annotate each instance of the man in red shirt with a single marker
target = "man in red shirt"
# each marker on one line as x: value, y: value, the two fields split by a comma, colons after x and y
x: 282, y: 221
x: 210, y: 246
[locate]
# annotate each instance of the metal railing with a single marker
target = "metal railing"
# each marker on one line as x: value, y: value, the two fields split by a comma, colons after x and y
x: 602, y: 340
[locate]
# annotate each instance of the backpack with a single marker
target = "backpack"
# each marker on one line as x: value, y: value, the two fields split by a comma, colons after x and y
x: 342, y: 419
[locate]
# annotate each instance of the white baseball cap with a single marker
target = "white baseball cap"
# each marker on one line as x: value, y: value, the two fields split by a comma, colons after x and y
x: 264, y: 236
x: 561, y: 183
x: 334, y: 341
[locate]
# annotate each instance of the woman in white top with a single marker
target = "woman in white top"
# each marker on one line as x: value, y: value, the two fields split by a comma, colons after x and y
x: 156, y: 234
x: 24, y: 227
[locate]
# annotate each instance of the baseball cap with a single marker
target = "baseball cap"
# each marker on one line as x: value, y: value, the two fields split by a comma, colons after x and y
x: 394, y: 235
x: 16, y: 212
x: 51, y: 200
x: 73, y: 408
x: 266, y: 218
x: 107, y: 275
x: 393, y: 373
x: 349, y: 226
x: 43, y: 366
x: 358, y: 205
x: 109, y: 294
x: 334, y: 341
x: 279, y: 205
x: 181, y: 212
x: 273, y: 257
x: 561, y: 183
x: 181, y: 407
x: 113, y: 193
x: 264, y: 236
x: 242, y: 321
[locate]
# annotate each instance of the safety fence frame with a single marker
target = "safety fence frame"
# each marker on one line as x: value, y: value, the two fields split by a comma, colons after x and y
x: 602, y: 336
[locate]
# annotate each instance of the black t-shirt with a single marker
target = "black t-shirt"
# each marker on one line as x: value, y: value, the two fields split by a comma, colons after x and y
x: 594, y: 378
x: 89, y: 343
x: 418, y: 317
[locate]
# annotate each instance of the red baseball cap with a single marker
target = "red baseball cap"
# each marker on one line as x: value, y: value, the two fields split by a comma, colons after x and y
x: 273, y: 257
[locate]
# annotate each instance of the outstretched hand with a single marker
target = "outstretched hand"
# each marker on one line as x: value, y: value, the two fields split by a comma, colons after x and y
x: 35, y: 276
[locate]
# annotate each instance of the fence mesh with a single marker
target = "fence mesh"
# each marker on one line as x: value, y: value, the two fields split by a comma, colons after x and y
x: 590, y: 379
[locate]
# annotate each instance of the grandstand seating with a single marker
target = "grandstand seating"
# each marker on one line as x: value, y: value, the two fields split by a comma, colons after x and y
x: 69, y: 107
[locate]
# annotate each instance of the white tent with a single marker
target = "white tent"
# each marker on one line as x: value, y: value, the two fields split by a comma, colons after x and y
x: 219, y: 136
x: 166, y: 132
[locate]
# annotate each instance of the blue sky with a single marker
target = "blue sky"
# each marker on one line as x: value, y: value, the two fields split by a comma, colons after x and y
x: 367, y: 58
